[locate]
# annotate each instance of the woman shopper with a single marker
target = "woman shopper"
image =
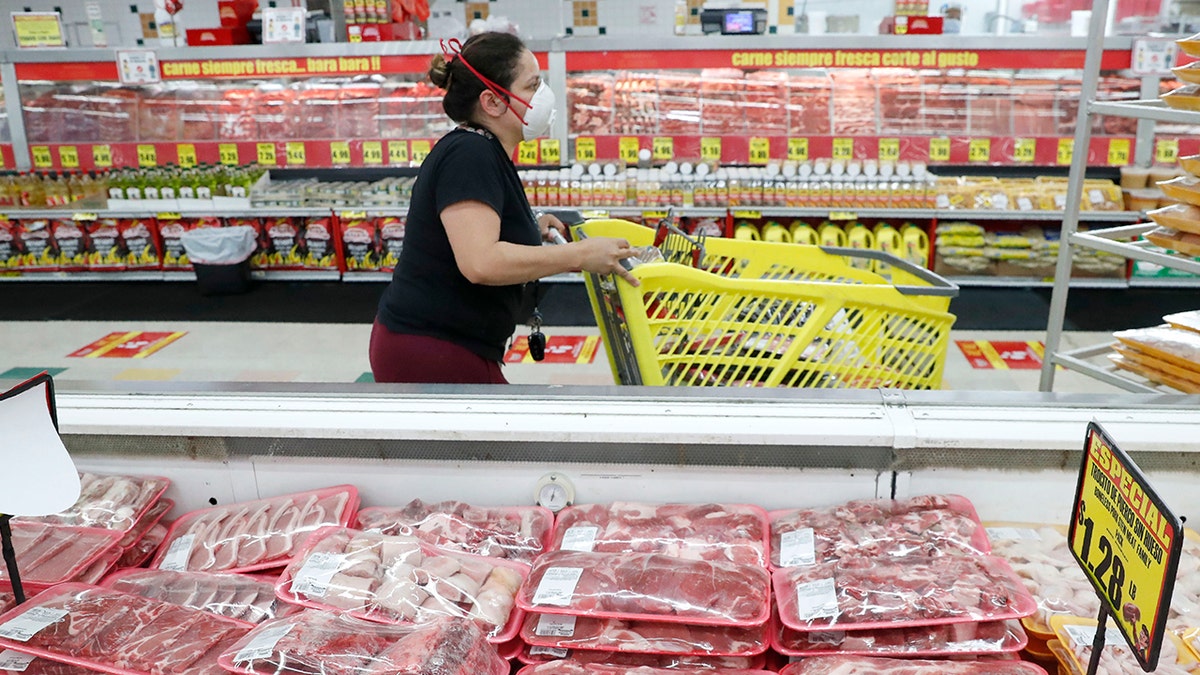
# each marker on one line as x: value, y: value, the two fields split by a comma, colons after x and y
x: 471, y: 240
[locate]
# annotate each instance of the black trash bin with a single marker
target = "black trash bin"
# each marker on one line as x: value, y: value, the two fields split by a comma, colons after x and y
x: 221, y: 258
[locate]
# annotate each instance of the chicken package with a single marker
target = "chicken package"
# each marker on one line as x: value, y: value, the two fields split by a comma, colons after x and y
x: 648, y: 587
x: 49, y: 554
x: 648, y: 637
x: 724, y: 532
x: 862, y: 593
x: 12, y: 663
x: 143, y: 549
x: 928, y: 525
x: 518, y: 533
x: 532, y: 655
x: 321, y: 642
x: 958, y: 639
x: 109, y: 502
x: 1042, y: 560
x: 115, y: 632
x: 569, y: 667
x: 1073, y: 647
x: 868, y: 665
x: 252, y: 536
x: 396, y: 579
x: 235, y: 596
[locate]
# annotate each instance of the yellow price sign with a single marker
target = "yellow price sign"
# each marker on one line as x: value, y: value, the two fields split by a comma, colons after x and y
x: 889, y: 149
x: 654, y: 215
x: 979, y: 150
x: 296, y: 152
x: 843, y: 215
x: 185, y: 154
x: 339, y: 152
x: 798, y: 149
x: 169, y: 215
x: 710, y: 149
x: 1, y: 160
x: 1127, y: 542
x: 147, y: 155
x: 1166, y: 150
x: 939, y: 149
x: 352, y: 215
x: 627, y: 149
x: 527, y: 152
x: 663, y: 148
x: 594, y: 213
x: 42, y: 158
x: 102, y: 155
x: 228, y: 154
x: 68, y: 156
x: 748, y: 215
x: 843, y: 148
x: 1118, y: 151
x: 585, y: 149
x: 1066, y: 150
x: 1025, y: 150
x: 266, y: 154
x: 760, y: 150
x: 372, y: 152
x: 551, y: 151
x: 420, y: 150
x: 397, y: 152
x: 85, y: 216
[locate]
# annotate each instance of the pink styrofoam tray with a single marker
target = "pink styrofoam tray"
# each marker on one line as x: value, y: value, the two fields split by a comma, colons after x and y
x: 647, y: 587
x: 868, y: 665
x: 109, y: 502
x: 533, y: 654
x: 235, y: 596
x: 862, y: 593
x: 253, y: 536
x: 39, y: 666
x: 153, y: 516
x: 735, y: 533
x: 396, y: 579
x: 52, y: 554
x: 647, y: 637
x: 960, y: 639
x: 143, y: 549
x: 570, y: 667
x: 517, y: 533
x: 929, y: 525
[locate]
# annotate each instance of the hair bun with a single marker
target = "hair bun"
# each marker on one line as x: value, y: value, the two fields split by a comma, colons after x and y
x: 439, y: 71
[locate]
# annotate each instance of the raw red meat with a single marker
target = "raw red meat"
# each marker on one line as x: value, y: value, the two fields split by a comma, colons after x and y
x: 574, y: 668
x: 515, y: 533
x: 921, y: 641
x: 40, y: 666
x: 49, y: 555
x: 865, y: 665
x: 359, y: 114
x: 642, y: 636
x: 233, y: 596
x: 110, y: 502
x: 536, y: 655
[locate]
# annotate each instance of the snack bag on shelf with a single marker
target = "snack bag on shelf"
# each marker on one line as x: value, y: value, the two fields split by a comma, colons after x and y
x: 140, y: 242
x: 106, y: 249
x: 283, y: 241
x: 37, y: 246
x: 391, y: 232
x: 258, y: 259
x: 319, y: 253
x: 9, y: 251
x: 362, y: 244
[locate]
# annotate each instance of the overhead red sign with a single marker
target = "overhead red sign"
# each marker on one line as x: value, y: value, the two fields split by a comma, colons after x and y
x: 131, y: 345
x: 559, y: 349
x: 990, y: 355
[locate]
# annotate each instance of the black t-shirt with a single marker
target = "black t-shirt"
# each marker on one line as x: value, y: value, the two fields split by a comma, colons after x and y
x: 428, y: 295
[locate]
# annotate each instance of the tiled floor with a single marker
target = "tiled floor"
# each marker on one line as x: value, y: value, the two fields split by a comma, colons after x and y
x: 280, y: 352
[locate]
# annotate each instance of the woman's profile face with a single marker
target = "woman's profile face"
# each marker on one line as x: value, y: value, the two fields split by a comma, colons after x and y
x: 529, y: 76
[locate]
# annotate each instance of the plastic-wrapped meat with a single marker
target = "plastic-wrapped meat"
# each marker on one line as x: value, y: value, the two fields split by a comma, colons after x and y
x: 158, y: 115
x: 570, y: 667
x: 236, y: 113
x: 112, y: 112
x: 7, y: 601
x: 927, y: 525
x: 636, y: 104
x: 810, y: 104
x: 398, y: 108
x: 359, y: 110
x: 43, y: 117
x: 535, y: 655
x: 276, y: 111
x: 572, y: 632
x: 858, y: 593
x: 916, y: 642
x: 200, y: 105
x: 866, y: 665
x: 765, y: 102
x: 900, y: 107
x: 109, y: 502
x: 722, y: 101
x: 727, y: 532
x: 680, y: 108
x: 590, y: 103
x: 140, y: 551
x: 318, y: 110
x: 647, y: 587
x: 515, y: 533
x: 146, y: 522
x: 1074, y: 648
x: 234, y: 596
x: 40, y: 666
x: 52, y: 554
x: 854, y: 102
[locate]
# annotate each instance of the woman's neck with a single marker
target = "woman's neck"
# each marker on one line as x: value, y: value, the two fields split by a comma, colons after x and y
x: 509, y: 144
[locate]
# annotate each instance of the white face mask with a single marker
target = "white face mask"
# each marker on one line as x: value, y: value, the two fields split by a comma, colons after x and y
x: 540, y: 114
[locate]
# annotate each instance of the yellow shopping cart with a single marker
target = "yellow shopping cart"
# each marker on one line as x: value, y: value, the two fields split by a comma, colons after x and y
x: 727, y: 312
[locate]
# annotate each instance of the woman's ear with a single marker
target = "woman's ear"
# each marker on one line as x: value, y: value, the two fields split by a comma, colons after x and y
x: 491, y: 104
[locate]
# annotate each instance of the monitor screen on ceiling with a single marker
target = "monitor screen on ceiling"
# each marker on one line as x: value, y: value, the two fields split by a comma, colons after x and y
x: 739, y: 23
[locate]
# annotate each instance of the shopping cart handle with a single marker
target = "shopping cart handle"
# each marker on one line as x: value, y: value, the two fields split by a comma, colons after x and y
x: 938, y: 285
x: 556, y: 237
x: 567, y: 216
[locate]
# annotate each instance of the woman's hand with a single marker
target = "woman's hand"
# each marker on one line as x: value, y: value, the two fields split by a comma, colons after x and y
x: 603, y: 255
x: 548, y: 223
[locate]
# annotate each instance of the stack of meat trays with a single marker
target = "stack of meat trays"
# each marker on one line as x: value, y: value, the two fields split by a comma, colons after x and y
x: 575, y: 668
x: 893, y: 578
x: 54, y: 554
x: 867, y: 665
x: 652, y: 585
x: 236, y: 596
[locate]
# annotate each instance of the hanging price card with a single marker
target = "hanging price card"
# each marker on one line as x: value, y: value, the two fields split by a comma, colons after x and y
x: 798, y: 149
x: 1066, y: 149
x: 372, y: 152
x: 979, y: 150
x: 939, y: 149
x: 843, y: 148
x: 585, y: 149
x: 1128, y: 543
x: 339, y: 152
x: 527, y: 152
x: 397, y: 152
x: 68, y: 156
x: 420, y: 150
x: 295, y: 153
x: 664, y: 148
x: 42, y: 158
x: 185, y: 154
x: 228, y: 154
x: 889, y: 149
x: 1025, y: 150
x: 147, y: 156
x: 1118, y: 152
x: 710, y: 149
x: 551, y: 151
x: 1166, y: 150
x: 101, y: 155
x: 266, y: 153
x: 760, y: 150
x: 627, y: 149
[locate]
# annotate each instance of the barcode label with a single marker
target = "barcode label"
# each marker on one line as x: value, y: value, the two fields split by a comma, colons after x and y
x: 816, y: 600
x: 1000, y: 533
x: 548, y: 651
x: 557, y: 586
x: 1083, y: 635
x: 15, y: 662
x: 553, y: 625
x: 797, y: 548
x: 263, y: 644
x: 178, y: 555
x: 582, y: 538
x: 28, y: 624
x: 314, y: 576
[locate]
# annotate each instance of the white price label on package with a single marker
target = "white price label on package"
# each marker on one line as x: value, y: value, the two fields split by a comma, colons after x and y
x: 25, y: 626
x: 797, y: 548
x: 1084, y: 635
x: 581, y: 538
x: 1002, y: 533
x: 558, y: 586
x: 15, y: 662
x: 555, y: 625
x: 817, y: 600
x: 263, y: 644
x: 176, y: 559
x: 556, y: 652
x: 314, y: 576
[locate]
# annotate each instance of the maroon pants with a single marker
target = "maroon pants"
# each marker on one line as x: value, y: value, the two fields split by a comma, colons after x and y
x: 398, y: 357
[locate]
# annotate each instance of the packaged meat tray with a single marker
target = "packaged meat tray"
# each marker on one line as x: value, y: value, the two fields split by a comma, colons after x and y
x: 323, y: 642
x: 868, y: 665
x: 253, y: 536
x: 1040, y: 557
x: 7, y: 601
x: 1074, y: 650
x: 959, y: 639
x: 105, y: 630
x: 518, y: 533
x: 147, y: 522
x: 532, y: 654
x: 1182, y: 217
x: 51, y: 554
x: 143, y: 549
x: 928, y: 525
x: 1185, y: 320
x: 862, y: 593
x: 613, y: 635
x: 734, y: 533
x: 234, y: 596
x: 1175, y: 346
x: 402, y: 580
x: 1175, y: 240
x: 568, y: 667
x: 647, y: 587
x: 12, y: 663
x: 109, y: 502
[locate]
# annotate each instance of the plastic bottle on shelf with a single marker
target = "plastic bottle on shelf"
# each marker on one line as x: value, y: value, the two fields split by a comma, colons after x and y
x: 703, y: 191
x: 721, y: 188
x: 632, y: 185
x: 574, y: 185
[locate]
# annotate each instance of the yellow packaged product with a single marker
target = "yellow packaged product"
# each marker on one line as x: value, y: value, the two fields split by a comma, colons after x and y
x: 1155, y: 370
x: 1182, y: 188
x: 1186, y: 97
x: 1174, y: 240
x: 1074, y: 644
x: 1010, y: 239
x: 950, y: 193
x: 1102, y: 196
x: 1185, y: 320
x: 1190, y: 45
x: 1190, y: 164
x: 1189, y: 73
x: 959, y: 227
x: 1181, y: 217
x: 1142, y: 199
x: 1173, y: 345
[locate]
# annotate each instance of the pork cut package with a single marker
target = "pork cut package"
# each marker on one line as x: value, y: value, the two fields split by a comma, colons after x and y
x: 149, y: 519
x: 402, y: 579
x: 52, y: 554
x: 108, y: 502
x: 234, y: 596
x: 518, y: 533
x: 324, y: 643
x: 928, y: 525
x: 106, y: 630
x: 253, y: 536
x: 861, y: 593
x: 995, y: 637
x: 531, y: 655
x: 867, y: 665
x: 614, y: 635
x: 647, y: 587
x: 12, y: 663
x: 726, y: 532
x: 6, y: 601
x: 143, y: 549
x: 567, y: 667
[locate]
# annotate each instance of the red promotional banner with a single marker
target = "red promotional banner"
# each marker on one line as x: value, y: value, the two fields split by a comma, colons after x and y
x: 992, y: 355
x: 559, y: 349
x: 131, y: 345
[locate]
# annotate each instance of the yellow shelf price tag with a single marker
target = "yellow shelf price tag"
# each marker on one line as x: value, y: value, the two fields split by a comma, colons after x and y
x: 939, y: 149
x: 102, y: 155
x: 352, y: 215
x: 1166, y: 150
x: 42, y: 158
x: 843, y: 215
x: 397, y: 152
x: 228, y: 154
x: 527, y: 152
x: 594, y: 213
x: 1024, y: 150
x: 339, y: 152
x: 185, y: 155
x: 296, y: 152
x: 748, y: 215
x: 889, y: 149
x: 627, y: 149
x: 710, y: 149
x: 843, y: 148
x: 760, y: 150
x: 68, y: 156
x: 664, y: 148
x: 979, y: 150
x: 266, y: 154
x: 551, y: 151
x: 1066, y: 150
x: 372, y: 152
x: 169, y: 215
x: 1118, y: 152
x: 420, y: 150
x: 147, y: 155
x: 652, y: 215
x: 84, y: 216
x: 585, y: 149
x: 1, y: 160
x: 798, y: 149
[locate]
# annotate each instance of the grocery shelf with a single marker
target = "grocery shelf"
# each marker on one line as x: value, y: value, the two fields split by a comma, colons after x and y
x: 1149, y: 109
x: 84, y: 213
x: 370, y: 277
x: 1077, y: 360
x: 295, y: 275
x: 1107, y: 240
x: 1030, y: 282
x: 941, y: 214
x: 1165, y: 282
x: 84, y: 276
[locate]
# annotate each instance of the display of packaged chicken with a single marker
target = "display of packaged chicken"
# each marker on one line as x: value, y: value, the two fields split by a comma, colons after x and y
x: 235, y: 596
x: 867, y: 665
x: 120, y: 633
x: 401, y: 579
x: 323, y: 642
x: 928, y: 525
x: 517, y: 533
x: 253, y: 535
x: 109, y: 502
x: 570, y: 667
x: 959, y: 639
x: 649, y: 587
x: 52, y: 554
x: 734, y: 533
x: 647, y: 637
x: 861, y: 593
x: 1173, y: 345
x: 1074, y: 649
